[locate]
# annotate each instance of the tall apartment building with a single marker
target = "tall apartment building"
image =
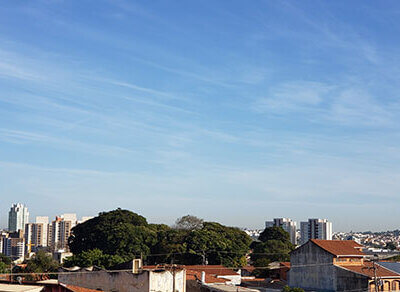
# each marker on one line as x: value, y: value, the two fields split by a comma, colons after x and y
x: 36, y: 234
x: 13, y: 244
x: 17, y: 217
x: 287, y: 224
x: 60, y: 230
x: 315, y: 229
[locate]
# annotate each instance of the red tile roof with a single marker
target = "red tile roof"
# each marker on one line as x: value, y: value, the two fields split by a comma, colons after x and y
x: 217, y: 270
x: 249, y: 268
x: 210, y: 279
x: 367, y: 270
x: 79, y: 289
x: 340, y: 247
x: 193, y: 272
x: 285, y: 264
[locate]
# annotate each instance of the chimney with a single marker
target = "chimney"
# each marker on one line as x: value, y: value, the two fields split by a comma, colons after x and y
x: 203, y: 277
x: 136, y: 266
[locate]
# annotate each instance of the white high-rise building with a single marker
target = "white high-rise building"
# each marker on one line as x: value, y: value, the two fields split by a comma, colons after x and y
x: 17, y: 217
x: 315, y: 229
x: 287, y: 224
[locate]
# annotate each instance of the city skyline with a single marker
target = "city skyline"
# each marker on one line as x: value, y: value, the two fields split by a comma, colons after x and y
x: 267, y: 223
x: 232, y: 111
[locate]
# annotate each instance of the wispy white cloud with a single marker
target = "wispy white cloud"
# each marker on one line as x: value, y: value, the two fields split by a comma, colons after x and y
x: 289, y: 97
x: 344, y: 104
x: 24, y: 137
x: 356, y: 106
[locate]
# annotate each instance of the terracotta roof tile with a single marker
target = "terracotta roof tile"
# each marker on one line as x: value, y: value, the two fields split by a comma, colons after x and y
x: 79, y: 289
x: 217, y: 270
x: 249, y: 268
x: 340, y: 247
x: 367, y: 270
x: 210, y: 279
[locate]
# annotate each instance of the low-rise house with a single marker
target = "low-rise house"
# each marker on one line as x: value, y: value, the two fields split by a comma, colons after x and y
x: 337, y: 265
x: 211, y: 278
x: 229, y: 276
x: 20, y: 288
x: 138, y: 279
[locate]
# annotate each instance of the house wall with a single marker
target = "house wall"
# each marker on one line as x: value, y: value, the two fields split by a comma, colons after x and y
x: 348, y: 261
x: 163, y: 281
x: 147, y: 281
x: 108, y: 281
x: 233, y: 279
x: 311, y: 268
x: 347, y: 280
x: 388, y: 285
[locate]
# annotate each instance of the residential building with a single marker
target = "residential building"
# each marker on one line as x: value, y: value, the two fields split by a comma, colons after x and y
x: 17, y: 217
x: 138, y: 279
x: 13, y: 244
x: 287, y: 224
x: 36, y: 234
x: 337, y: 265
x: 60, y: 230
x: 315, y: 229
x: 3, y: 236
x: 21, y: 288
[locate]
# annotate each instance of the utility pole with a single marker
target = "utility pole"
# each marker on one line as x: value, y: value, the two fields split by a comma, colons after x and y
x: 374, y: 267
x: 173, y: 275
x: 375, y: 277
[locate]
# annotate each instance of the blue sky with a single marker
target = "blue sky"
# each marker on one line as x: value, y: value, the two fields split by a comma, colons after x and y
x: 235, y: 111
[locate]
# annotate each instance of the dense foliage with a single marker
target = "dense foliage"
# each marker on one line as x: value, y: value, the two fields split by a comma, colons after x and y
x: 289, y: 289
x: 121, y: 235
x: 274, y: 245
x: 119, y: 232
x: 5, y: 264
x: 41, y: 263
x: 94, y: 257
x: 189, y: 222
x: 391, y: 246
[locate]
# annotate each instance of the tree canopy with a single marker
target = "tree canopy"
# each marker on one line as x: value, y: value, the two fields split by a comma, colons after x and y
x: 214, y: 244
x: 118, y: 232
x: 274, y: 245
x: 189, y: 222
x: 41, y: 263
x: 94, y: 257
x: 5, y: 263
x: 121, y: 235
x: 274, y: 233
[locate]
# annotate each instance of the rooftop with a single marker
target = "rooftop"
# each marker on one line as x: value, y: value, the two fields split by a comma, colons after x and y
x: 218, y: 270
x: 210, y: 279
x: 340, y: 247
x: 367, y: 270
x: 19, y: 288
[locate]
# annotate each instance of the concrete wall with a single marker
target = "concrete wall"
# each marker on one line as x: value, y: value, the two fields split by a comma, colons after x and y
x: 163, y: 281
x: 233, y: 279
x: 347, y: 280
x: 312, y: 269
x: 147, y: 281
x: 108, y: 281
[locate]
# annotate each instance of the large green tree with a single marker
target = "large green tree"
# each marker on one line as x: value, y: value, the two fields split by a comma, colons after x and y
x: 219, y: 244
x: 94, y: 257
x: 41, y: 263
x: 123, y: 235
x: 5, y: 264
x: 118, y: 232
x: 189, y: 222
x: 273, y: 245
